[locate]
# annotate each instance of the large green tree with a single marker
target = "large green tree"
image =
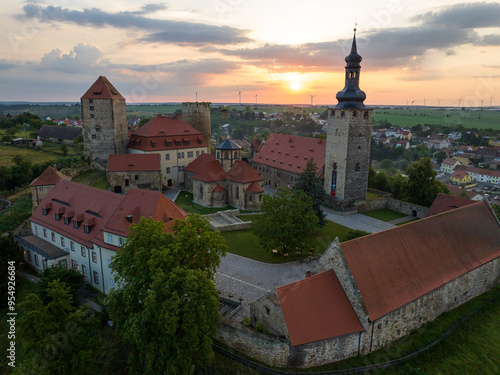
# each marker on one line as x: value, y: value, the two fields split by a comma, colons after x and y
x: 56, y: 337
x: 310, y: 184
x: 71, y: 277
x: 288, y: 221
x: 166, y: 306
x: 421, y: 186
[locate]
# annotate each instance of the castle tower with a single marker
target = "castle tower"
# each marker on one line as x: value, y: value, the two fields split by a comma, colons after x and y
x: 227, y: 153
x: 198, y: 116
x: 105, y: 123
x: 348, y: 138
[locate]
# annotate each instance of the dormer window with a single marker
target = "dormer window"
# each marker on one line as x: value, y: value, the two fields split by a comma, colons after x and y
x: 66, y: 220
x: 58, y: 217
x: 45, y: 211
x: 87, y: 228
x: 76, y: 224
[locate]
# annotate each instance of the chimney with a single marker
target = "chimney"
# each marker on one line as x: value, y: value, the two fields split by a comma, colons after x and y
x: 308, y: 274
x: 129, y: 218
x: 55, y: 167
x: 178, y: 116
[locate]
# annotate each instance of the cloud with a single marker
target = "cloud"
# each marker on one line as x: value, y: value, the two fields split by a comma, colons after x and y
x: 159, y: 31
x: 463, y: 16
x: 7, y: 64
x: 82, y: 59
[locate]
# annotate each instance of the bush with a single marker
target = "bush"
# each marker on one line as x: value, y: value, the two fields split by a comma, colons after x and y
x: 246, y: 320
x: 259, y: 327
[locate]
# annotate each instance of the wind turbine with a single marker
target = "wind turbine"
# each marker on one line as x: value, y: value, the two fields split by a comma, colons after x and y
x: 312, y: 96
x: 439, y: 101
x: 255, y: 98
x: 424, y: 101
x: 239, y: 95
x: 196, y: 97
x: 482, y: 103
x: 459, y: 101
x: 491, y: 99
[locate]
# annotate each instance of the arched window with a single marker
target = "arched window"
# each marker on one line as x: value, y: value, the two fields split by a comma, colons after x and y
x: 226, y: 155
x: 235, y: 155
x: 201, y: 191
x: 218, y: 154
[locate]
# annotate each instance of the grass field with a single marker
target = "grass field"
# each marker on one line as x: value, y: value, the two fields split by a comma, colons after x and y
x: 433, y: 116
x: 246, y: 243
x: 49, y: 153
x: 185, y: 201
x: 385, y: 214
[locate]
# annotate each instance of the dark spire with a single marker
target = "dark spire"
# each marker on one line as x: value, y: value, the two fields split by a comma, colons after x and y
x: 352, y: 96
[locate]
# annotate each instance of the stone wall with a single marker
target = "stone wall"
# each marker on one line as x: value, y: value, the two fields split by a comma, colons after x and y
x: 197, y: 114
x: 275, y: 177
x: 148, y: 180
x: 406, y: 208
x: 232, y: 222
x: 267, y: 310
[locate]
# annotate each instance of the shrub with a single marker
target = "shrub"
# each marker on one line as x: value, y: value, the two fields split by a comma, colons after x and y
x: 259, y: 327
x: 246, y: 320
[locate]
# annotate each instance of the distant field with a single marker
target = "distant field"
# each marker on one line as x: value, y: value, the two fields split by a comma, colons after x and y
x: 446, y: 117
x: 51, y: 152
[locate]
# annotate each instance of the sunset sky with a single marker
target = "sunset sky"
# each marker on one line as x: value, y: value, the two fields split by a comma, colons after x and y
x: 281, y: 51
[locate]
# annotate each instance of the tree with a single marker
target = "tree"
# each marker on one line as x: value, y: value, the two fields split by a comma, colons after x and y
x: 463, y: 194
x: 386, y: 164
x: 167, y: 307
x: 289, y: 221
x: 310, y: 184
x: 440, y: 156
x: 10, y: 255
x: 57, y: 338
x: 64, y: 149
x: 421, y: 186
x: 71, y: 277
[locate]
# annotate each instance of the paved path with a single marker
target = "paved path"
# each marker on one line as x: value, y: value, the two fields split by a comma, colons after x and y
x: 358, y: 221
x: 246, y: 280
x: 172, y: 193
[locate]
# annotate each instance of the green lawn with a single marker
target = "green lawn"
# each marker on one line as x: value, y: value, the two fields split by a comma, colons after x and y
x: 384, y: 215
x: 185, y: 201
x: 17, y: 212
x: 245, y: 242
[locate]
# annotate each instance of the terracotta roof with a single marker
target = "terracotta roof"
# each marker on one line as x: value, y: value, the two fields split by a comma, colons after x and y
x: 449, y: 161
x: 454, y: 190
x: 399, y: 265
x: 445, y: 202
x: 69, y: 133
x: 242, y: 172
x: 291, y: 153
x: 219, y: 189
x: 199, y: 163
x: 50, y: 176
x: 160, y: 131
x: 255, y: 188
x: 316, y: 308
x: 484, y: 172
x: 227, y: 145
x: 102, y: 89
x: 211, y: 172
x: 101, y: 209
x: 459, y: 174
x: 133, y: 162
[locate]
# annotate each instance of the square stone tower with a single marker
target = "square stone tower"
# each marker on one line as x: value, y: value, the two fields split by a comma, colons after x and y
x: 348, y: 139
x: 104, y: 123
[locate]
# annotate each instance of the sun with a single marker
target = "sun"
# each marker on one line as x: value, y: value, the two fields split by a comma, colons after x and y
x: 295, y: 86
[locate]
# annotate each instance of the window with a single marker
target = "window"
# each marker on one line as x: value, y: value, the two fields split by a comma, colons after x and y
x: 84, y: 270
x: 268, y: 312
x: 58, y: 217
x: 178, y: 143
x: 94, y: 136
x: 197, y: 153
x: 181, y: 169
x: 76, y: 224
x: 74, y: 265
x: 168, y: 170
x: 53, y: 236
x: 40, y: 188
x: 66, y: 220
x: 91, y: 101
x: 357, y: 168
x: 153, y: 144
x: 190, y: 154
x: 250, y: 198
x: 44, y: 211
x: 91, y: 107
x: 136, y: 177
x: 226, y: 155
x: 72, y: 245
x: 94, y: 257
x: 36, y: 259
x: 110, y: 238
x: 127, y: 183
x: 237, y: 192
x: 86, y: 229
x: 187, y: 143
x: 121, y: 240
x: 180, y: 155
x: 167, y: 156
x: 45, y: 232
x: 83, y: 251
x: 169, y: 144
x: 62, y: 264
x: 236, y: 155
x: 29, y: 255
x: 96, y: 277
x: 91, y: 115
x: 63, y: 242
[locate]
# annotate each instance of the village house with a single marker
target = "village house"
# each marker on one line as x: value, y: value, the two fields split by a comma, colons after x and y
x: 44, y: 183
x: 140, y: 171
x: 282, y: 158
x: 460, y: 178
x: 448, y: 165
x: 63, y: 134
x: 82, y: 227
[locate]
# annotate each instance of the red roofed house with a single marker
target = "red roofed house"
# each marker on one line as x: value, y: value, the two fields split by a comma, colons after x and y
x: 445, y: 202
x: 448, y: 165
x: 281, y: 158
x: 212, y: 186
x: 42, y: 185
x: 378, y: 288
x: 141, y: 171
x: 82, y: 227
x: 175, y: 141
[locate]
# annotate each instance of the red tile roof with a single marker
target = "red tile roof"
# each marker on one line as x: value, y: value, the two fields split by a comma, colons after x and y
x: 219, y: 189
x: 133, y: 162
x: 399, y: 265
x: 102, y: 89
x: 50, y: 176
x: 449, y: 161
x: 243, y: 172
x: 102, y: 209
x: 454, y: 190
x: 291, y: 153
x: 255, y: 188
x: 198, y: 164
x: 211, y: 172
x: 317, y: 308
x: 162, y: 130
x: 459, y: 174
x: 445, y: 202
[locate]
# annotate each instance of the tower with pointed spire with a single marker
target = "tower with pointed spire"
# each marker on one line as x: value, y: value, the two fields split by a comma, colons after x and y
x: 105, y: 123
x: 348, y: 138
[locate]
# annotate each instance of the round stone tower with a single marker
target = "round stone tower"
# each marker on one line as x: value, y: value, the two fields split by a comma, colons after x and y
x: 198, y: 116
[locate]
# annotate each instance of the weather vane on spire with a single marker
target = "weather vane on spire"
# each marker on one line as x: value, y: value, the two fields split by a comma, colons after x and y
x: 355, y: 24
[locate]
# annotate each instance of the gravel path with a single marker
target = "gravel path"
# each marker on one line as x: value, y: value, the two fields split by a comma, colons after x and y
x: 358, y: 221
